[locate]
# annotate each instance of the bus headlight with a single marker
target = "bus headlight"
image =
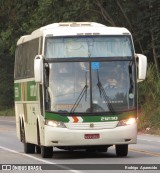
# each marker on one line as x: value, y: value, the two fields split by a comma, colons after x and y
x: 53, y: 123
x: 126, y: 122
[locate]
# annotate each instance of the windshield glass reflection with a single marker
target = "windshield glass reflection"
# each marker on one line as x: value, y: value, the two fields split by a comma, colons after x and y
x: 66, y: 83
x: 91, y: 87
x: 92, y: 46
x: 115, y: 83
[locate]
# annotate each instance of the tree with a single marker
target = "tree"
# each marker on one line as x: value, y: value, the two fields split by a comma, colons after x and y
x: 12, y: 25
x: 21, y: 17
x: 140, y: 17
x: 52, y: 11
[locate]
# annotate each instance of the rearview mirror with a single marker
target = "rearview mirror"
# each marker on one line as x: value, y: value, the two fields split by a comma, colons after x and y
x: 142, y: 67
x: 38, y: 69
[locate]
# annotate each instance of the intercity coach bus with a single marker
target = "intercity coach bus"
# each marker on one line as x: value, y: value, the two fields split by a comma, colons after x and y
x: 76, y: 88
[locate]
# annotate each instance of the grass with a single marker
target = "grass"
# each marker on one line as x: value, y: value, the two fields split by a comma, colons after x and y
x: 7, y: 112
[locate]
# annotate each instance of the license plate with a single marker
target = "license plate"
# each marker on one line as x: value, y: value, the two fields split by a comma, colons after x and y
x: 91, y: 136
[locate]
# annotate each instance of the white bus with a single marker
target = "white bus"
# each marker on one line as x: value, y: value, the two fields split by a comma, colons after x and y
x: 76, y: 88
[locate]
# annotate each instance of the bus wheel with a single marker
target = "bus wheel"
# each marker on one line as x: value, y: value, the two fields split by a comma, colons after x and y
x: 22, y: 133
x: 29, y: 148
x: 122, y: 150
x: 46, y: 152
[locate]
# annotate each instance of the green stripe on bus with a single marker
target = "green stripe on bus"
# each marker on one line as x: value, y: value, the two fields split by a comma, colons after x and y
x: 17, y: 91
x: 56, y: 117
x: 92, y: 118
x: 26, y: 91
x: 32, y: 91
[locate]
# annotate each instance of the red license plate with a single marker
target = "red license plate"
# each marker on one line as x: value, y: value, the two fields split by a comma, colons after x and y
x: 91, y: 136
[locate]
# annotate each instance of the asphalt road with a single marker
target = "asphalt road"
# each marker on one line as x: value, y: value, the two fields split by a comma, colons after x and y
x: 143, y: 155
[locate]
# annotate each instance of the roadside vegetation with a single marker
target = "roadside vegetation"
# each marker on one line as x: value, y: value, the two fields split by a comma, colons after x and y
x: 7, y: 112
x: 149, y: 102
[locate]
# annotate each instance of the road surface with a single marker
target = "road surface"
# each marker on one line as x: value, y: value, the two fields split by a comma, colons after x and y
x: 143, y: 155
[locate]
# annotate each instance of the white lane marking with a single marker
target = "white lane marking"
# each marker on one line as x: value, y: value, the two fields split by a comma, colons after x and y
x: 38, y: 159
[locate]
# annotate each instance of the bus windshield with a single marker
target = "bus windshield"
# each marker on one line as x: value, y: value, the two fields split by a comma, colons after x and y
x: 86, y: 86
x: 91, y: 87
x: 91, y: 46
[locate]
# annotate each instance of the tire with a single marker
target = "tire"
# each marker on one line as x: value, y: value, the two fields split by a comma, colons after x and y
x: 38, y: 149
x: 22, y: 133
x: 29, y: 148
x: 46, y: 152
x: 122, y: 150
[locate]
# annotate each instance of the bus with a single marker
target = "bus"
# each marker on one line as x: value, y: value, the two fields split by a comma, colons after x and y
x: 75, y: 86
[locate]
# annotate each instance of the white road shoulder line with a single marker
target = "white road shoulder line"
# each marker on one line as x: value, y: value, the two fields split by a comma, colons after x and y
x: 38, y: 159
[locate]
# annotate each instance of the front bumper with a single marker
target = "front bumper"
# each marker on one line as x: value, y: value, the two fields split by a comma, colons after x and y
x: 66, y: 137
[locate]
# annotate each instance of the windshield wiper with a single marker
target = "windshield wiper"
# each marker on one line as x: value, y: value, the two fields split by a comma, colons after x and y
x: 84, y: 91
x: 104, y: 94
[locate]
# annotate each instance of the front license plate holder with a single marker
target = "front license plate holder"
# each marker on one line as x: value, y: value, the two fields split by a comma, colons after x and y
x: 91, y: 136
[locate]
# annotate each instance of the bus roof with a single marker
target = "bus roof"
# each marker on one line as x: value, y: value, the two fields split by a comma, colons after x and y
x: 74, y: 28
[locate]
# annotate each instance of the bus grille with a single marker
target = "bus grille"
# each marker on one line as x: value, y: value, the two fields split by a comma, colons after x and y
x: 92, y: 125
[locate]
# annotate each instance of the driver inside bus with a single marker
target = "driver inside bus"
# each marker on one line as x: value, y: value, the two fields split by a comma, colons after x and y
x: 115, y: 78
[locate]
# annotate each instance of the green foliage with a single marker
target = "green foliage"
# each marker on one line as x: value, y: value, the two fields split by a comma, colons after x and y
x: 149, y: 97
x: 7, y: 112
x: 14, y: 22
x: 52, y: 11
